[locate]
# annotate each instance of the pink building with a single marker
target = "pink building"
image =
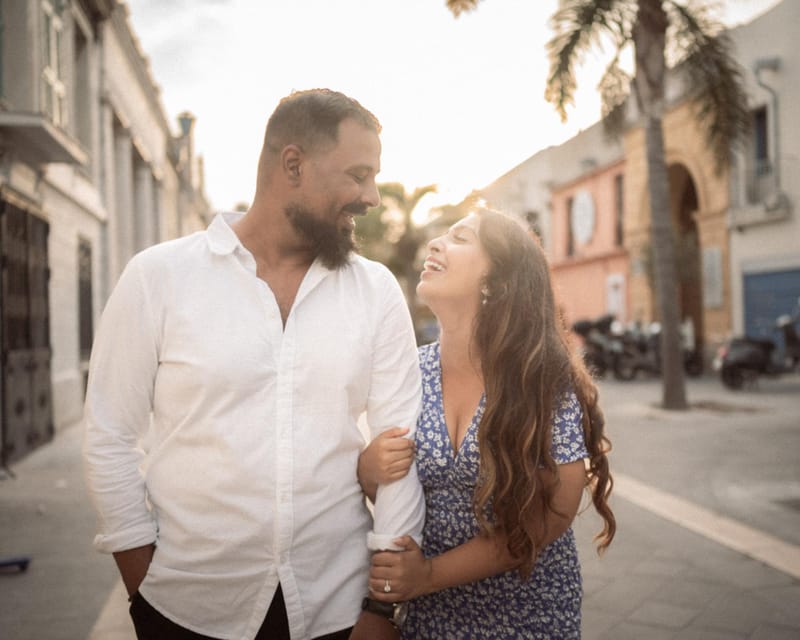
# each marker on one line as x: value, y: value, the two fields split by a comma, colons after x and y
x: 589, y: 262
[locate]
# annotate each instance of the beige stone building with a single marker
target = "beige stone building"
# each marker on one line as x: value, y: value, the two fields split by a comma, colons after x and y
x: 699, y: 204
x: 91, y: 171
x: 737, y: 231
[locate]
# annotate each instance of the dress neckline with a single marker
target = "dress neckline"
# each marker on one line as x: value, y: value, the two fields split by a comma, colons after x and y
x: 478, y: 413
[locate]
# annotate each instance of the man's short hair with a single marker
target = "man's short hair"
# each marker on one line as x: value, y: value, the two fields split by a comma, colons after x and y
x: 310, y: 119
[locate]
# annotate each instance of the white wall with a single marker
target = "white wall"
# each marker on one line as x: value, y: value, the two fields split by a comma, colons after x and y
x: 776, y: 245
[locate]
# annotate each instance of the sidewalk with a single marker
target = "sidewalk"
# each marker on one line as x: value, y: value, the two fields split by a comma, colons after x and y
x: 659, y: 579
x: 46, y: 514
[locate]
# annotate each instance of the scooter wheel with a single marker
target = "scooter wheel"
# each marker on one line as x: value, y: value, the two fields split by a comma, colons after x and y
x: 694, y: 367
x: 732, y: 377
x: 624, y: 367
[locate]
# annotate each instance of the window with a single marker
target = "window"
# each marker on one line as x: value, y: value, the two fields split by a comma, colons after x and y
x: 761, y: 181
x: 532, y: 218
x: 53, y: 93
x: 570, y: 237
x: 619, y: 217
x: 760, y: 142
x: 85, y: 315
x: 82, y: 107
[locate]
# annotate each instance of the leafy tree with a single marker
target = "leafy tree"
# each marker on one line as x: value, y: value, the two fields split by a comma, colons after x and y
x: 406, y: 246
x: 662, y: 33
x: 395, y: 242
x: 372, y: 231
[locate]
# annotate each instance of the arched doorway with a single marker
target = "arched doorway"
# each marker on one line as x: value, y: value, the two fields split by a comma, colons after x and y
x: 684, y: 207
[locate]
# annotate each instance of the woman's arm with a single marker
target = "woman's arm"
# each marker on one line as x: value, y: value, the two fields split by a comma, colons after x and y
x: 410, y: 574
x: 386, y: 459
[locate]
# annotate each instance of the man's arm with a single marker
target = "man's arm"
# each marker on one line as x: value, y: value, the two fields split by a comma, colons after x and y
x: 394, y: 400
x: 119, y: 400
x: 133, y: 565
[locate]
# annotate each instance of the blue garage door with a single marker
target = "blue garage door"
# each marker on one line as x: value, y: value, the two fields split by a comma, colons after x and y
x: 766, y: 296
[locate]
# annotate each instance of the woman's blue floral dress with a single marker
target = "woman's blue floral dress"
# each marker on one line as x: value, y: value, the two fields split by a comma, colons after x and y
x: 548, y: 604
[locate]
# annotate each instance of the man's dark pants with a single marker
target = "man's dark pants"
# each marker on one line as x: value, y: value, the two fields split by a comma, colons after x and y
x: 151, y: 625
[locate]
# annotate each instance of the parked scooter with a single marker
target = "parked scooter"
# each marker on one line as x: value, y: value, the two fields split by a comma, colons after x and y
x: 642, y: 351
x: 600, y: 346
x: 743, y: 359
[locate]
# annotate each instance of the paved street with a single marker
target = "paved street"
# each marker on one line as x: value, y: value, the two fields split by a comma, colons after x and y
x: 732, y: 456
x: 707, y: 502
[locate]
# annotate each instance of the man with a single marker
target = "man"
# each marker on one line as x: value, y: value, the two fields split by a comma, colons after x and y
x: 227, y: 377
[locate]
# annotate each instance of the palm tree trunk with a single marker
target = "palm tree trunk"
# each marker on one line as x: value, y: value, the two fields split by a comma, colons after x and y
x: 673, y: 390
x: 649, y: 37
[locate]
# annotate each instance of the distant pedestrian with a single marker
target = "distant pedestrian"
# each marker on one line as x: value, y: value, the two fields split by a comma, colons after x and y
x: 226, y: 381
x: 509, y: 437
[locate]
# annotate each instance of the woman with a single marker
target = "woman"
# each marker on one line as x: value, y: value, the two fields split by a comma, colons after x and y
x: 509, y: 437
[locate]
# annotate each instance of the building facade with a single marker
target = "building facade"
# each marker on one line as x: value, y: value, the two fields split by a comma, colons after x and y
x: 736, y: 230
x: 587, y: 254
x: 764, y: 259
x: 737, y: 235
x: 572, y: 196
x: 90, y: 173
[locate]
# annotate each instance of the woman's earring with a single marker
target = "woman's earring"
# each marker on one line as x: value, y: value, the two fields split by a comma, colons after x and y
x: 484, y: 294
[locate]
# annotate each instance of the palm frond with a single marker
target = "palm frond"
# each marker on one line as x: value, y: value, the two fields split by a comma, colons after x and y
x: 404, y: 201
x: 578, y: 25
x: 457, y: 7
x: 421, y: 192
x: 395, y: 191
x: 715, y: 79
x: 614, y: 88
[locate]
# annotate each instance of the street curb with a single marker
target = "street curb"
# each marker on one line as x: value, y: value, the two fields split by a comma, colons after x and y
x: 772, y: 551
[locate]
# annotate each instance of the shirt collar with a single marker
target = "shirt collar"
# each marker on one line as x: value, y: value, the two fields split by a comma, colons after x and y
x: 223, y: 240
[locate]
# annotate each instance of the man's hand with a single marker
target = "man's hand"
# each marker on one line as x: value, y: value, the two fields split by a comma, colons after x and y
x: 371, y: 626
x: 133, y: 565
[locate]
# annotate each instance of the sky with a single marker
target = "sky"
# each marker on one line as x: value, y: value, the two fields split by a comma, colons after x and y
x: 461, y: 100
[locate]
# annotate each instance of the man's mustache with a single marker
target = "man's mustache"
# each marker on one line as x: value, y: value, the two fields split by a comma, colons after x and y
x: 356, y: 208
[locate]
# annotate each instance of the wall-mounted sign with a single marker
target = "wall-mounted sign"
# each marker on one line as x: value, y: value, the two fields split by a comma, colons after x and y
x: 712, y: 277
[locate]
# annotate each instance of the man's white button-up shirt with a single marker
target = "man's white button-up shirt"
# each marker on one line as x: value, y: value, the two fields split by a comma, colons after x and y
x: 231, y: 441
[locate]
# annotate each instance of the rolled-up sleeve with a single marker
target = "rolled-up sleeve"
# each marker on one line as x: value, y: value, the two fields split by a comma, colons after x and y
x: 395, y: 400
x: 117, y: 411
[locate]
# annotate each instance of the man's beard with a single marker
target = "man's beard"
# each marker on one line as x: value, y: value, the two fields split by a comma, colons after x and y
x: 330, y: 243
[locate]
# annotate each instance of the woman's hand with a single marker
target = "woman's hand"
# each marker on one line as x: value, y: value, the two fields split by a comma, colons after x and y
x: 408, y: 572
x: 386, y: 459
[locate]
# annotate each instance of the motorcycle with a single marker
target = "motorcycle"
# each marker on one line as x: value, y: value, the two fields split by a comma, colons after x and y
x: 642, y: 352
x: 745, y: 358
x: 601, y: 346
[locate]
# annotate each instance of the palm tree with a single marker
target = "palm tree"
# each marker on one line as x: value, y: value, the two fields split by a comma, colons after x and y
x: 686, y: 35
x: 405, y: 249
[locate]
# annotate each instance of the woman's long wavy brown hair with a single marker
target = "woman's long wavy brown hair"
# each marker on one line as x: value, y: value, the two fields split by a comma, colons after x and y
x: 527, y: 366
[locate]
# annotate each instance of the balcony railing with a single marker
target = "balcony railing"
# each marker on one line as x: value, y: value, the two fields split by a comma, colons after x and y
x: 759, y: 194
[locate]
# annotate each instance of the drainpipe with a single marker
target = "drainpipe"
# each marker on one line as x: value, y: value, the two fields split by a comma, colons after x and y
x: 2, y: 34
x: 771, y: 64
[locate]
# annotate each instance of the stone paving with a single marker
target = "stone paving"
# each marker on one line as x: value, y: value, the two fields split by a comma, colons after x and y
x: 658, y: 579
